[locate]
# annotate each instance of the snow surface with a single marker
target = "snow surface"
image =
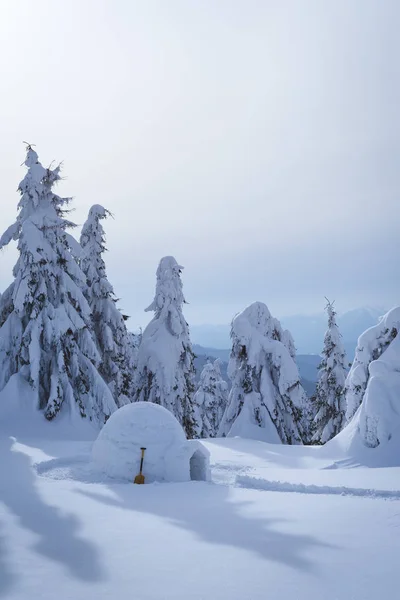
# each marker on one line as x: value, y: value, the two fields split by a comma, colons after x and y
x: 277, y: 522
x: 169, y: 456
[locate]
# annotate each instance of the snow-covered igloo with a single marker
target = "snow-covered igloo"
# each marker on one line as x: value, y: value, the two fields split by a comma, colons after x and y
x: 169, y: 455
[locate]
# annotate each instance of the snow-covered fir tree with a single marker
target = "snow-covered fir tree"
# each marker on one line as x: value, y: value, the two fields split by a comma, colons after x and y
x: 6, y: 304
x: 165, y: 370
x: 371, y: 345
x: 210, y: 401
x: 109, y: 324
x: 329, y: 401
x: 46, y: 335
x: 377, y: 422
x: 30, y: 190
x: 134, y: 340
x: 286, y: 338
x: 266, y: 400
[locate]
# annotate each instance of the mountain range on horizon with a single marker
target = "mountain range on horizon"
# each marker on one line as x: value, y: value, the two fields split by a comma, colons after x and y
x: 307, y: 330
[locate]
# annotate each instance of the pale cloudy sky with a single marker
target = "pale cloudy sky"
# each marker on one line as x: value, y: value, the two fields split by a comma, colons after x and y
x: 255, y: 140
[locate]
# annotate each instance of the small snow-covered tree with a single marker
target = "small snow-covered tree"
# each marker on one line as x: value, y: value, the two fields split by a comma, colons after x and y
x: 46, y: 336
x: 371, y: 344
x: 134, y: 340
x: 109, y: 325
x: 6, y: 305
x: 329, y: 402
x: 209, y: 401
x: 165, y: 370
x: 266, y: 400
x: 286, y: 338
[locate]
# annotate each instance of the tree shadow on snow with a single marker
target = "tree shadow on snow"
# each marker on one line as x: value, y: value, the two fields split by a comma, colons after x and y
x: 7, y: 577
x: 206, y: 510
x: 58, y: 533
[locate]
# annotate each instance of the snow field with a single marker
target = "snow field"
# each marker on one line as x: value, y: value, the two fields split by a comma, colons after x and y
x: 71, y: 533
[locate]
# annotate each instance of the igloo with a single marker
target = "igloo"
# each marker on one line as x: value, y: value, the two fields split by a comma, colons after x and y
x: 169, y: 455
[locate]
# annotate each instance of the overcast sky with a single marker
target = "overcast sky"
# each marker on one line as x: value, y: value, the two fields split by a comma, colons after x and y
x: 258, y: 141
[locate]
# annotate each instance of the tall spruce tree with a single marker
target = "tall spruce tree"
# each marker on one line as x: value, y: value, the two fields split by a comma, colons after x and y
x: 165, y: 370
x: 329, y: 401
x: 109, y: 325
x: 266, y: 400
x: 210, y: 401
x: 46, y: 333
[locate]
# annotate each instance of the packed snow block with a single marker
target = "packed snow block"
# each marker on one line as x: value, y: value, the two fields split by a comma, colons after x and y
x: 169, y: 455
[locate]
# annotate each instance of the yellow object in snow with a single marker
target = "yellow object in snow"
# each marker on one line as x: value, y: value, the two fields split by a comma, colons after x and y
x: 140, y: 478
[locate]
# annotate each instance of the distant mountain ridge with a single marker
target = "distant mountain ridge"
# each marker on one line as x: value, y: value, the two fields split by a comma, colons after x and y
x: 308, y: 333
x: 307, y: 364
x: 307, y: 330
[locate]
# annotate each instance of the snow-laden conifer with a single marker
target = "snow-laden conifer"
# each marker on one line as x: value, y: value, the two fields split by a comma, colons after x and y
x: 46, y: 336
x: 266, y: 400
x: 134, y: 340
x: 165, y: 370
x: 210, y: 400
x: 109, y: 325
x: 329, y: 402
x: 371, y: 344
x: 6, y: 304
x: 377, y: 421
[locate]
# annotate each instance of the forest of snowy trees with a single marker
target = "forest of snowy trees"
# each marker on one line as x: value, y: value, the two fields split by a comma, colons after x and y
x: 61, y: 330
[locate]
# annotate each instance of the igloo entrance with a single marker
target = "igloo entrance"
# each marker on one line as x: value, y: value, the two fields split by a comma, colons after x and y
x: 198, y: 467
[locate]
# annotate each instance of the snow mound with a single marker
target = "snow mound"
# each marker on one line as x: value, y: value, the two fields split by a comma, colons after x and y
x: 351, y: 445
x: 18, y: 399
x: 169, y: 455
x: 244, y: 427
x: 20, y: 416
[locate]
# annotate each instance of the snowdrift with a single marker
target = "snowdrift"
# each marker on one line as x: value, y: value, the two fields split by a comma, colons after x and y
x: 350, y: 446
x: 20, y: 416
x: 169, y: 455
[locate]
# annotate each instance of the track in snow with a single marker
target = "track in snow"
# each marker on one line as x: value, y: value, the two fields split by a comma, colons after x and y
x: 247, y: 481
